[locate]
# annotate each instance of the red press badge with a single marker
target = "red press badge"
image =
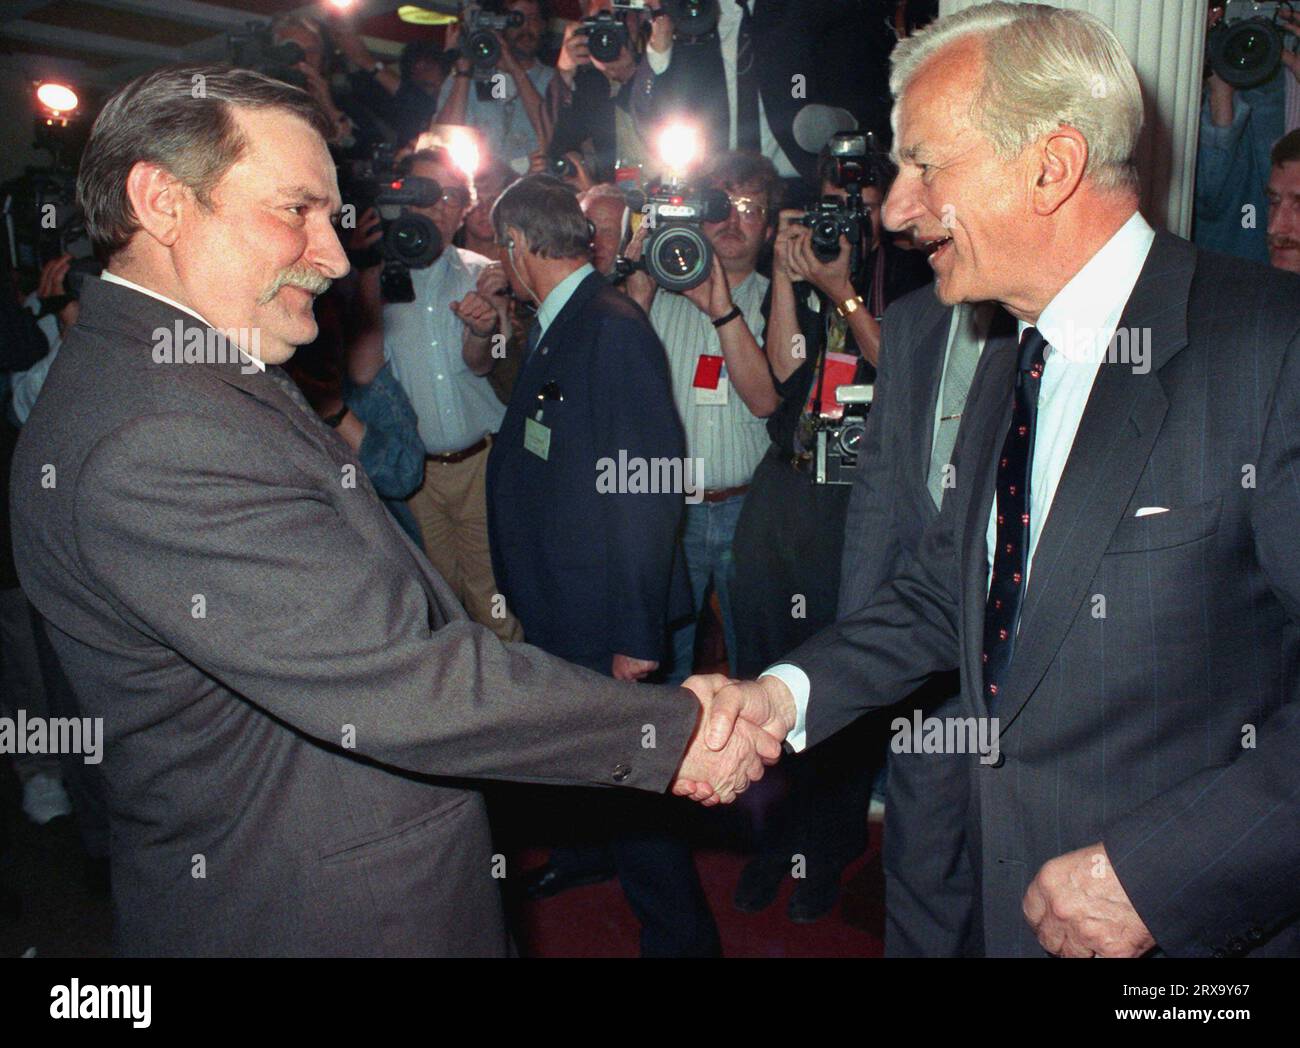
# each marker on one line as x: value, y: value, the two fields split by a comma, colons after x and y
x: 708, y: 369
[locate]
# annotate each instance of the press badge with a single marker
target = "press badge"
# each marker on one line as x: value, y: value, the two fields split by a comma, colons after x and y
x: 537, y: 438
x: 710, y: 382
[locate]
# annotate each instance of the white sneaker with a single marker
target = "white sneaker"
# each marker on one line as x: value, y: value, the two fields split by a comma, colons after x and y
x: 44, y: 798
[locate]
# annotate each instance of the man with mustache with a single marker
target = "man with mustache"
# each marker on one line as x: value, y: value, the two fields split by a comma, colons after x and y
x: 508, y: 108
x: 1284, y: 204
x: 292, y: 698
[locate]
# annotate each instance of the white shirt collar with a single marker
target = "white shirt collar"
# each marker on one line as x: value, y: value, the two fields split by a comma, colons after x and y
x: 1081, y: 320
x: 113, y: 278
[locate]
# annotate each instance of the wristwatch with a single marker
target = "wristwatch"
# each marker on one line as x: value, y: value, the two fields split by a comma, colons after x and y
x: 848, y: 306
x: 335, y: 419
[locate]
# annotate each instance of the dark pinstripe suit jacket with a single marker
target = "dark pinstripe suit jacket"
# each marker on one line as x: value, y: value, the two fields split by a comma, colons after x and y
x: 284, y: 735
x: 1167, y: 726
x: 929, y: 892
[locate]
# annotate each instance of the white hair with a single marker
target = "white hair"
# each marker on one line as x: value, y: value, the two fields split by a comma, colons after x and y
x: 1044, y: 67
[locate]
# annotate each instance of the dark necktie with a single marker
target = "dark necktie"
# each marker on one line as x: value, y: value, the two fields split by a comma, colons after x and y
x: 747, y: 135
x: 534, y: 337
x: 1011, y: 550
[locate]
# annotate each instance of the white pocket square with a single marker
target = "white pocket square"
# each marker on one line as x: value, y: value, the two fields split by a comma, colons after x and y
x: 1148, y: 511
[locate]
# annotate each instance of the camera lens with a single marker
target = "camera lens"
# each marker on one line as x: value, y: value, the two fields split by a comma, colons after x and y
x: 678, y: 258
x: 483, y: 49
x: 605, y: 43
x: 412, y: 240
x: 1245, y: 54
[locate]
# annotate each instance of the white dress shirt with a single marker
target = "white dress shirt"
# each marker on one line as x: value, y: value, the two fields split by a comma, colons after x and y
x: 423, y: 341
x: 729, y: 15
x: 1078, y: 325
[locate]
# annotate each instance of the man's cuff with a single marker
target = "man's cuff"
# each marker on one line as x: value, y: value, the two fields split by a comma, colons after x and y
x: 659, y: 60
x: 797, y: 681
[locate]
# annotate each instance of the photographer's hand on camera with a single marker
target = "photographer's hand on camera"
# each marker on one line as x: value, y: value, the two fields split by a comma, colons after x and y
x: 573, y: 52
x: 639, y: 286
x: 494, y: 286
x: 661, y: 32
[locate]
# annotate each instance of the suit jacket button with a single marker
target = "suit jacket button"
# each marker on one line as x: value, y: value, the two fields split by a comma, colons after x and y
x: 621, y: 772
x: 1255, y: 934
x: 1235, y: 945
x: 1217, y: 954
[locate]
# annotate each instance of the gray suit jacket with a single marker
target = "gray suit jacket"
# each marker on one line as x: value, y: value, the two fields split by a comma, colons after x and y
x: 279, y: 669
x: 1162, y: 720
x: 929, y: 890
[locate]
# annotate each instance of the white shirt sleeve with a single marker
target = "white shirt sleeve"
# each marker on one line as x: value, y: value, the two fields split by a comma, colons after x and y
x: 659, y: 60
x: 797, y: 681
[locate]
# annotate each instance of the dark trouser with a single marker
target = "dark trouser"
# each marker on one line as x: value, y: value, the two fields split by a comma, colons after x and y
x: 84, y: 782
x: 639, y: 837
x: 787, y: 553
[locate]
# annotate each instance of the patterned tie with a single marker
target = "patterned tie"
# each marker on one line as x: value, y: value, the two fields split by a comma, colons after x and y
x: 1011, y: 552
x: 747, y: 135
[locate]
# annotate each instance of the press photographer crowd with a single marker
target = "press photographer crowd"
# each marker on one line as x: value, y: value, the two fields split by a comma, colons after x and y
x: 437, y: 487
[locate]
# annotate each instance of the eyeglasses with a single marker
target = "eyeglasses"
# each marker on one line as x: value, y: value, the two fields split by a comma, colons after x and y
x: 456, y: 196
x: 748, y: 209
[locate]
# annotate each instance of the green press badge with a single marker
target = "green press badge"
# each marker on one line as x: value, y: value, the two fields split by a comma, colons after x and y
x: 537, y: 438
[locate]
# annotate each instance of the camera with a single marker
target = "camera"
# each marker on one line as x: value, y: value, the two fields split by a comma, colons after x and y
x: 409, y: 241
x: 482, y: 46
x: 678, y: 256
x: 692, y: 18
x: 855, y: 164
x: 837, y: 441
x: 1245, y: 48
x: 606, y: 33
x: 255, y: 48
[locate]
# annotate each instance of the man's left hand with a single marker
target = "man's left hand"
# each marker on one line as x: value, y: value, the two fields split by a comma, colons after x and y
x: 1078, y: 908
x: 713, y: 297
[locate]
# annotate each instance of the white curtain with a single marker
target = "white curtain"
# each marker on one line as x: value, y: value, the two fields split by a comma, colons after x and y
x: 1165, y: 40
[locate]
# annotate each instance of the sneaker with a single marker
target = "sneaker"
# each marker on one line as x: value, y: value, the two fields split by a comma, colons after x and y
x: 44, y: 798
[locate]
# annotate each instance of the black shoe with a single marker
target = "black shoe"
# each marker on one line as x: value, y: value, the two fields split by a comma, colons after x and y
x: 546, y: 881
x: 759, y: 884
x: 813, y: 899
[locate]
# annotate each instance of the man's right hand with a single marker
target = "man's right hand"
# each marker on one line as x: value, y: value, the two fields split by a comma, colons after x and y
x: 742, y: 726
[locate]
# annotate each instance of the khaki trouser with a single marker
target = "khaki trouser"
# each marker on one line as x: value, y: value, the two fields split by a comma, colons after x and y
x: 451, y: 510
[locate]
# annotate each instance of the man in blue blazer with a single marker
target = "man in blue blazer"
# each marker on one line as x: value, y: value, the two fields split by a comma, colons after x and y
x: 585, y: 493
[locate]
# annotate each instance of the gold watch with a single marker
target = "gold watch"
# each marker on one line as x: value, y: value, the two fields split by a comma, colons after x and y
x: 848, y: 306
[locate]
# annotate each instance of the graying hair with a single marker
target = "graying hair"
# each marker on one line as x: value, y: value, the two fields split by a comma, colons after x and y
x: 546, y: 211
x: 1044, y: 68
x: 180, y: 118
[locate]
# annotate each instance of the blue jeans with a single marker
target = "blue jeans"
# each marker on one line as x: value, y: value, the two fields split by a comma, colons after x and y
x: 706, y: 544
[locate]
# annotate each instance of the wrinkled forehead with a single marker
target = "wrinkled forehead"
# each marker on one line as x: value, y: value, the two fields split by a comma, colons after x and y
x: 938, y: 103
x: 284, y: 149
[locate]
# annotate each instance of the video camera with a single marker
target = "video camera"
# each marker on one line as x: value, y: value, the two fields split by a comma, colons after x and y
x: 607, y: 33
x: 856, y: 163
x: 409, y: 241
x: 1246, y: 47
x: 254, y: 48
x: 678, y: 256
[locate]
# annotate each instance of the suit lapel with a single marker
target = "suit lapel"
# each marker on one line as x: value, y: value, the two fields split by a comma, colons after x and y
x: 929, y: 372
x: 1111, y: 449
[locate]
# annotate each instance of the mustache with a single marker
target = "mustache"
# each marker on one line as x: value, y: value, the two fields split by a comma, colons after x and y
x: 296, y: 276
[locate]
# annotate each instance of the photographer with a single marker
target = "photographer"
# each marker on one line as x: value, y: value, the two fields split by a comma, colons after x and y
x: 440, y: 348
x: 508, y: 108
x: 721, y: 382
x: 738, y: 81
x: 789, y: 539
x: 1238, y: 128
x: 590, y: 101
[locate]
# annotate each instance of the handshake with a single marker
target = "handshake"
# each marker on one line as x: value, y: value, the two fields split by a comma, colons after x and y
x: 741, y: 728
